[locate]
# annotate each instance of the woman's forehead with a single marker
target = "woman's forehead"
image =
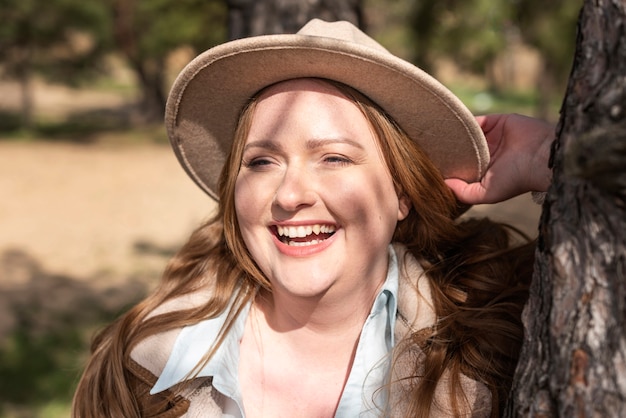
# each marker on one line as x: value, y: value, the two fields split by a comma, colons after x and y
x: 314, y: 85
x: 316, y: 105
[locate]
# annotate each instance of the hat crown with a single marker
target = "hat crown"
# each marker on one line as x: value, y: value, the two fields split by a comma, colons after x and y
x: 340, y: 30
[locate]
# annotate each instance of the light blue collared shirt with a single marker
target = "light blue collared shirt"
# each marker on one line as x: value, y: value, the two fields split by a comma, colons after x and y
x: 361, y: 395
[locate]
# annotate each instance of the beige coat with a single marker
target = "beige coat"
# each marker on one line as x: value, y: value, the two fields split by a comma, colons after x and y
x: 200, y: 399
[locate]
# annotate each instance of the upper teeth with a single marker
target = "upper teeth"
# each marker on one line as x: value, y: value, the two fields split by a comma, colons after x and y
x: 303, y: 231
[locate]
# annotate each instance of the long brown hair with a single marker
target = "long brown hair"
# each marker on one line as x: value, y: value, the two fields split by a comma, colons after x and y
x: 479, y: 284
x: 479, y: 271
x: 215, y: 257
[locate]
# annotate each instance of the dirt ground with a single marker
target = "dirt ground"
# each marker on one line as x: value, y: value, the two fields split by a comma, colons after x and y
x: 98, y: 215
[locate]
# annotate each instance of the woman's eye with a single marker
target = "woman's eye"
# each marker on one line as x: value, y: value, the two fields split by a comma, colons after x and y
x: 256, y: 163
x: 337, y: 159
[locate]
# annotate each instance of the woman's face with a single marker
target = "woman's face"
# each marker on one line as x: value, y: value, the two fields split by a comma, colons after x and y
x: 314, y: 199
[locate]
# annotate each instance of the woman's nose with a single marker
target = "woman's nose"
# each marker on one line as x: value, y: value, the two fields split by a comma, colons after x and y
x: 295, y: 190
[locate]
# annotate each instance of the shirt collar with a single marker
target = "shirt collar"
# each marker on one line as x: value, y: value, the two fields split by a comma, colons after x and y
x: 362, y: 395
x: 368, y: 372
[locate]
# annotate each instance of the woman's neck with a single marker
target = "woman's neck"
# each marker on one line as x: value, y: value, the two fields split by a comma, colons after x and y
x: 324, y: 315
x: 294, y: 358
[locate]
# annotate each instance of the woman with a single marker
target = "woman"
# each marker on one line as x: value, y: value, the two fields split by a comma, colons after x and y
x: 335, y: 278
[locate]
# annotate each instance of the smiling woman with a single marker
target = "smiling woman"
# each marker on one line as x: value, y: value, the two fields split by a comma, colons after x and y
x: 335, y: 278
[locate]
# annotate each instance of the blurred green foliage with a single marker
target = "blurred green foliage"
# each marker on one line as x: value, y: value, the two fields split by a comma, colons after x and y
x: 59, y: 39
x: 38, y: 371
x: 69, y: 40
x: 161, y: 26
x: 53, y: 318
x: 469, y: 31
x: 475, y: 33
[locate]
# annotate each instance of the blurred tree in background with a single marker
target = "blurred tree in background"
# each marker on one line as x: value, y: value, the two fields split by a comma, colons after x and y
x: 59, y: 39
x: 262, y: 17
x: 148, y: 31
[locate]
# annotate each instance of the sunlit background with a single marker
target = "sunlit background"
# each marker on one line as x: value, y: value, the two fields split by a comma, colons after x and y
x: 93, y: 202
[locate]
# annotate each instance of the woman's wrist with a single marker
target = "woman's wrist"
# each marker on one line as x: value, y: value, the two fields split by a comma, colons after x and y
x: 541, y: 171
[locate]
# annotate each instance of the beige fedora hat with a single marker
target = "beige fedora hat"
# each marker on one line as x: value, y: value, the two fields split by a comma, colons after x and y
x: 207, y: 97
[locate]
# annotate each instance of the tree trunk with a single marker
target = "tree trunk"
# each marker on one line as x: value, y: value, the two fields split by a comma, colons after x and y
x: 153, y: 97
x: 573, y: 362
x: 150, y: 72
x: 262, y: 17
x: 25, y: 77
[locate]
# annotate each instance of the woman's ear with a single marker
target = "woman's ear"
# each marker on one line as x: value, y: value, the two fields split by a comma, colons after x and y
x: 404, y: 206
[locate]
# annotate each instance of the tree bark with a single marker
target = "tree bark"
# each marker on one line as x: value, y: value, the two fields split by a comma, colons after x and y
x: 262, y: 17
x: 573, y: 363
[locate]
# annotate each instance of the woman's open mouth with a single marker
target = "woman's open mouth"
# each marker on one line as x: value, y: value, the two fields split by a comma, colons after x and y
x: 304, y: 235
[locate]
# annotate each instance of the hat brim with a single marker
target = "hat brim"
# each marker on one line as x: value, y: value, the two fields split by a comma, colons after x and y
x: 207, y: 97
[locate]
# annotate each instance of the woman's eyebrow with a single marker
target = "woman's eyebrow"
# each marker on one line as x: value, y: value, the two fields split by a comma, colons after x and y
x: 311, y: 144
x: 264, y: 144
x: 320, y: 142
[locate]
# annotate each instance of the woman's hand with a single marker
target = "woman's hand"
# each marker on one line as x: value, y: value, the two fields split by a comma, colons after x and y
x: 520, y: 149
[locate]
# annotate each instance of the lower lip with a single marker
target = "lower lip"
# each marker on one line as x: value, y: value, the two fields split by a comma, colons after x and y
x: 303, y: 251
